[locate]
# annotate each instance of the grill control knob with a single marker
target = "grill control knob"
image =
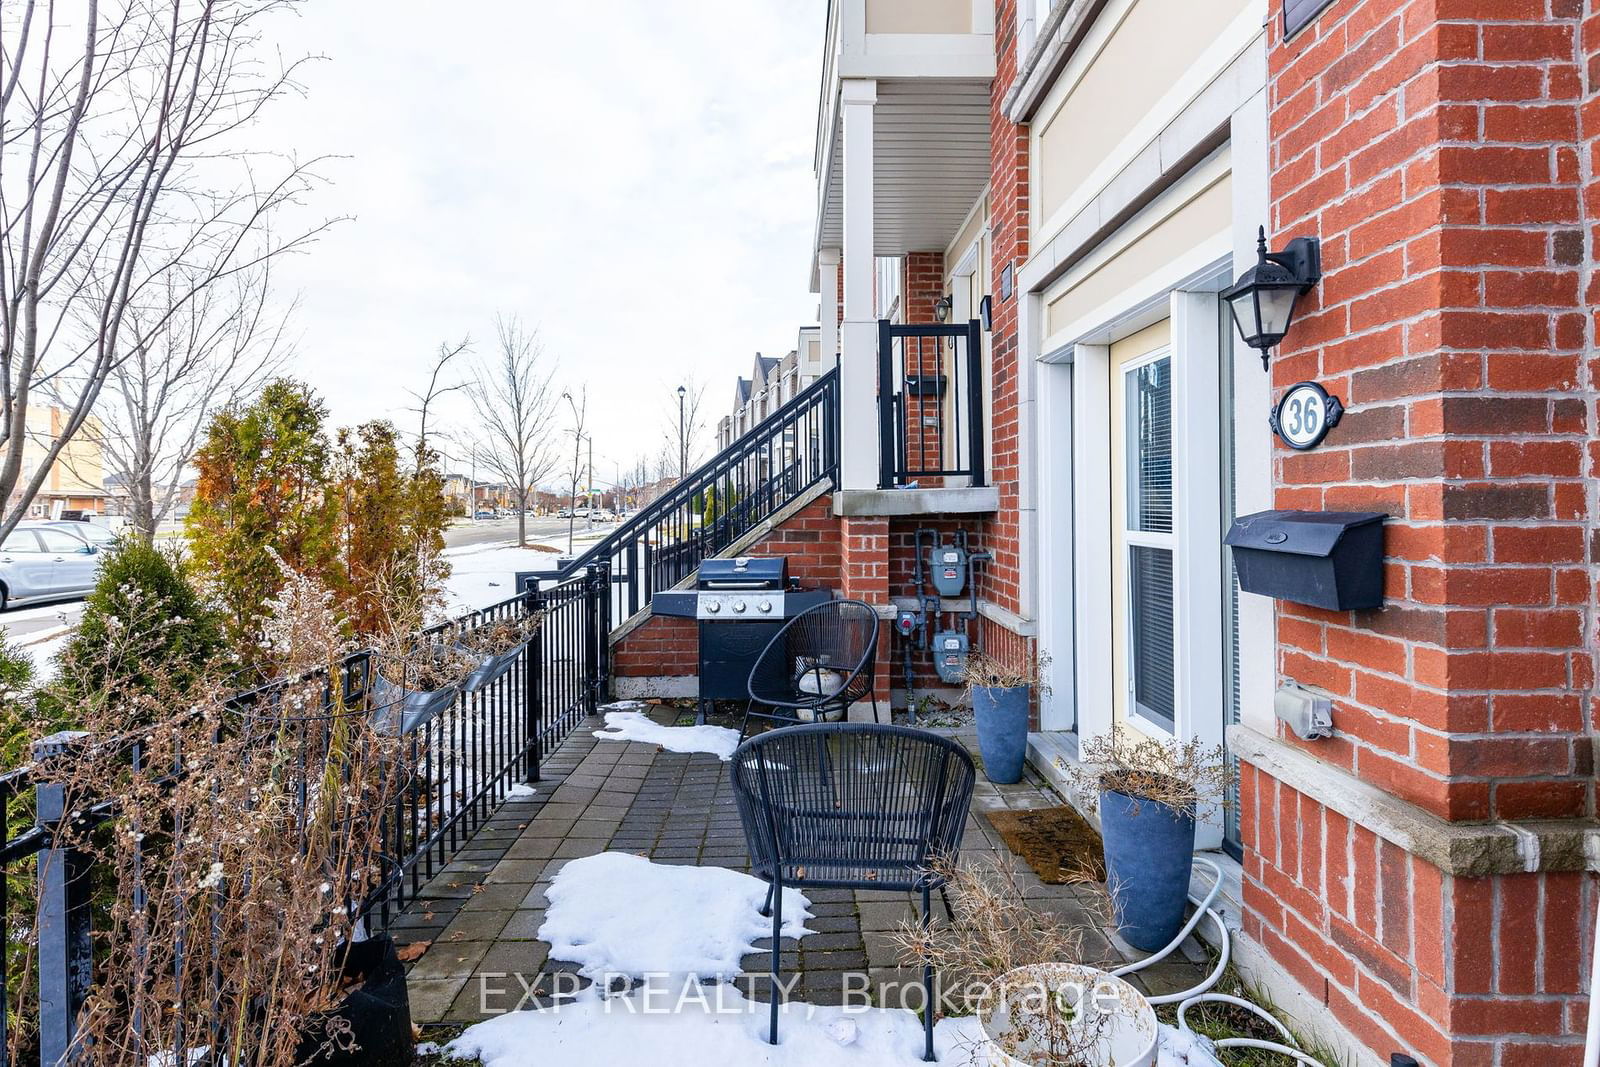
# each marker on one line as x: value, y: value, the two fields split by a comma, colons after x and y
x: 738, y: 607
x: 765, y: 606
x: 712, y: 607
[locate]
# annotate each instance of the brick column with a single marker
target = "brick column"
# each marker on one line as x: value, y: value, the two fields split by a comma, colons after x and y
x: 864, y: 553
x: 922, y: 288
x: 1433, y: 145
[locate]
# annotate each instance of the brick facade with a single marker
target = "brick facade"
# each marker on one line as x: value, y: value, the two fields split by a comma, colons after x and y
x: 1434, y: 147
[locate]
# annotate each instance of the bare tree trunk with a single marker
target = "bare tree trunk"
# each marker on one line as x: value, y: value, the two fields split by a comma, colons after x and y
x: 514, y: 399
x: 114, y: 161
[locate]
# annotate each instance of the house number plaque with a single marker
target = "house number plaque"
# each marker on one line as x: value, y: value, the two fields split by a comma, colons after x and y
x: 1304, y: 415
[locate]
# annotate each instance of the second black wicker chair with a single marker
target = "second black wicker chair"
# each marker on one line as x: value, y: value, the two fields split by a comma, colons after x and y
x: 818, y: 664
x: 855, y: 806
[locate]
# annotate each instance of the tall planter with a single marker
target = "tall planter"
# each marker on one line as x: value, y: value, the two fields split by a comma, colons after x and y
x: 1148, y: 850
x: 1002, y: 715
x: 374, y: 1018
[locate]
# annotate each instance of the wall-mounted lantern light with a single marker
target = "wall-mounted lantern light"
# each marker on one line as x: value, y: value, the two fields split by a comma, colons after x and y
x: 986, y: 312
x: 1263, y: 298
x: 941, y: 308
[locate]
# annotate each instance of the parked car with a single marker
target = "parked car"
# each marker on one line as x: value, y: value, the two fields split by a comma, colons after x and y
x: 564, y: 513
x: 41, y: 561
x: 99, y: 536
x: 484, y: 513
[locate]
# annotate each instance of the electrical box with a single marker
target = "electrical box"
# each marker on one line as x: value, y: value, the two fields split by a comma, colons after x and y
x: 1327, y: 559
x: 949, y: 566
x: 950, y: 650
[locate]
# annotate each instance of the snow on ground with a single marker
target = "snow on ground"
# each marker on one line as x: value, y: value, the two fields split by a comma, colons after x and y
x: 484, y: 575
x: 620, y: 914
x: 709, y: 1024
x: 636, y: 726
x: 43, y: 654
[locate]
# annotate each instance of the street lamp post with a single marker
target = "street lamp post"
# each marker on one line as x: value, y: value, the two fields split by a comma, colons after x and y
x: 683, y: 443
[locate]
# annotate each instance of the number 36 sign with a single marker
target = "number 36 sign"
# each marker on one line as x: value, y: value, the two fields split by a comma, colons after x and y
x: 1305, y: 415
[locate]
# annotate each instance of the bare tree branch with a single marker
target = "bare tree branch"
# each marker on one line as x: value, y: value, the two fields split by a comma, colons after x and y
x: 514, y: 404
x: 124, y: 196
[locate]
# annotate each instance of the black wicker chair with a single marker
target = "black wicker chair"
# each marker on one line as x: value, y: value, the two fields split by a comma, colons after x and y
x: 851, y: 805
x: 820, y: 662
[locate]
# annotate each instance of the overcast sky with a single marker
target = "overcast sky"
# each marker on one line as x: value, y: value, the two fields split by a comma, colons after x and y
x: 633, y: 177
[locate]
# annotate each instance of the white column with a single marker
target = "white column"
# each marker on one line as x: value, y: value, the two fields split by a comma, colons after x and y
x: 858, y: 364
x: 828, y: 276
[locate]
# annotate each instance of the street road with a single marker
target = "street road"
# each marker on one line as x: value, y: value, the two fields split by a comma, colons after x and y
x: 544, y: 530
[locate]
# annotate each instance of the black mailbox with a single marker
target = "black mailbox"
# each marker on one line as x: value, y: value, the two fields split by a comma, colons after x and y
x: 1327, y: 559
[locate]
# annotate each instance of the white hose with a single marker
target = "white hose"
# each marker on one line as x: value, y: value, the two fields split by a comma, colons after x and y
x: 1199, y: 994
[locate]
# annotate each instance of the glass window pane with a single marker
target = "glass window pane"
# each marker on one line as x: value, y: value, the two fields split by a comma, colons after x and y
x: 20, y: 541
x: 1149, y: 423
x: 59, y: 541
x: 1150, y: 612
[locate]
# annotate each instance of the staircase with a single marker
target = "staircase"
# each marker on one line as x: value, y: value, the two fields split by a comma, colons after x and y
x: 786, y: 456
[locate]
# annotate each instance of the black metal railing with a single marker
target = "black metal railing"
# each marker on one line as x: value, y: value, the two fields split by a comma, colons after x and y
x: 463, y: 760
x: 930, y: 403
x: 789, y: 452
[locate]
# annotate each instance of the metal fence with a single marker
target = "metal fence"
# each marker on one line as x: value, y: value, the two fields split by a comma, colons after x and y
x: 464, y: 759
x: 930, y: 404
x: 786, y: 454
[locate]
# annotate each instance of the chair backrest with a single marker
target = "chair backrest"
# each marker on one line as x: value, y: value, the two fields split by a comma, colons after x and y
x: 852, y: 795
x: 841, y: 636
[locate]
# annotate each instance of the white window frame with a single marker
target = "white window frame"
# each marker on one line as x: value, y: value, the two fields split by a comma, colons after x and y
x: 1167, y: 542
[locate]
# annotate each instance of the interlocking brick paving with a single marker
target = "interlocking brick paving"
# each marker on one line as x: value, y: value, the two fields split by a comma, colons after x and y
x: 481, y: 915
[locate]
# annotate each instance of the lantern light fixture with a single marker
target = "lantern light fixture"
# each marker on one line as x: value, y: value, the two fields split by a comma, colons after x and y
x: 942, y: 308
x: 1263, y: 299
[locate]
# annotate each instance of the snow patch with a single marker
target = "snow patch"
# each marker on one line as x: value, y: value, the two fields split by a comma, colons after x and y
x: 520, y: 791
x: 484, y: 575
x: 719, y: 741
x: 709, y: 1024
x: 620, y: 914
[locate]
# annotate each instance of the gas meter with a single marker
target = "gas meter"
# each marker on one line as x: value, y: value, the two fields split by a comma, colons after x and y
x: 949, y: 566
x: 950, y: 650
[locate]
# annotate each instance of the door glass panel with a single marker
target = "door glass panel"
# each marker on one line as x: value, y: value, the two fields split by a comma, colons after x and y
x: 20, y: 541
x: 56, y: 541
x: 1150, y: 612
x: 1149, y: 420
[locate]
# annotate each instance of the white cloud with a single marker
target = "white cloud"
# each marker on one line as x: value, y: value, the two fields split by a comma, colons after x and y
x: 632, y: 176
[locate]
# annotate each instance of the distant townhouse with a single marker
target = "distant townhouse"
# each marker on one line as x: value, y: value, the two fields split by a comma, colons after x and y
x: 1099, y: 278
x: 75, y: 481
x: 773, y: 382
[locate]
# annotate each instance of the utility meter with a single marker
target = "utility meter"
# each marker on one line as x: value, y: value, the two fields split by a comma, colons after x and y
x: 950, y: 655
x: 949, y: 566
x: 906, y: 621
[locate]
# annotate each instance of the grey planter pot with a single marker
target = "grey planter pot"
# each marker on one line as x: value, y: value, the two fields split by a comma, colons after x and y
x: 491, y: 668
x: 401, y: 710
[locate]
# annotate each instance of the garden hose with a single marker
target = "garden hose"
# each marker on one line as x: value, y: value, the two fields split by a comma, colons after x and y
x: 1199, y: 994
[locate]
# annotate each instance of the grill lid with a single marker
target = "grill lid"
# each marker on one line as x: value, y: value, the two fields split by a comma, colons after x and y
x: 744, y: 572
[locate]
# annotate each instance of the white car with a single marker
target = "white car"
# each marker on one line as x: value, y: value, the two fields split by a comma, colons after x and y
x: 41, y: 561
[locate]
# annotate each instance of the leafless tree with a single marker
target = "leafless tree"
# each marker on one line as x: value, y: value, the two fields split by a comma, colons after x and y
x: 514, y: 405
x: 215, y: 348
x: 580, y: 415
x: 693, y: 426
x: 436, y: 389
x: 123, y: 185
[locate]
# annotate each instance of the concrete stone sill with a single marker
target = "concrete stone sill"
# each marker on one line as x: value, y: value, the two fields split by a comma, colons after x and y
x: 1470, y: 850
x: 895, y: 502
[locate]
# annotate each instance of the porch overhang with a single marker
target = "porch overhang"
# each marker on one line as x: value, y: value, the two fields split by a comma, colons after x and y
x: 932, y: 64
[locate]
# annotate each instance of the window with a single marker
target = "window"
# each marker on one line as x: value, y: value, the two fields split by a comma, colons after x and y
x: 1148, y: 531
x: 20, y: 541
x: 58, y: 541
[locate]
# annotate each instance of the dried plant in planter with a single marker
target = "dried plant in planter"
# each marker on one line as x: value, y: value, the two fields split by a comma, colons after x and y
x: 242, y: 839
x: 987, y: 672
x: 500, y: 635
x: 987, y: 952
x: 1183, y: 775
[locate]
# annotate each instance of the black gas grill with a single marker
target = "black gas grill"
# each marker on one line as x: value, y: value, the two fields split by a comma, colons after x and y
x: 739, y: 604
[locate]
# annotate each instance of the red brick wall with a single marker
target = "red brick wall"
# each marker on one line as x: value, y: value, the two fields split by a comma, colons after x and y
x: 667, y: 648
x: 1448, y: 321
x: 1008, y: 248
x: 922, y: 288
x: 1433, y: 145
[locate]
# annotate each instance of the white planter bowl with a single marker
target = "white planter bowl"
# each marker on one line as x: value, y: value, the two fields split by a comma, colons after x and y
x: 1129, y: 1033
